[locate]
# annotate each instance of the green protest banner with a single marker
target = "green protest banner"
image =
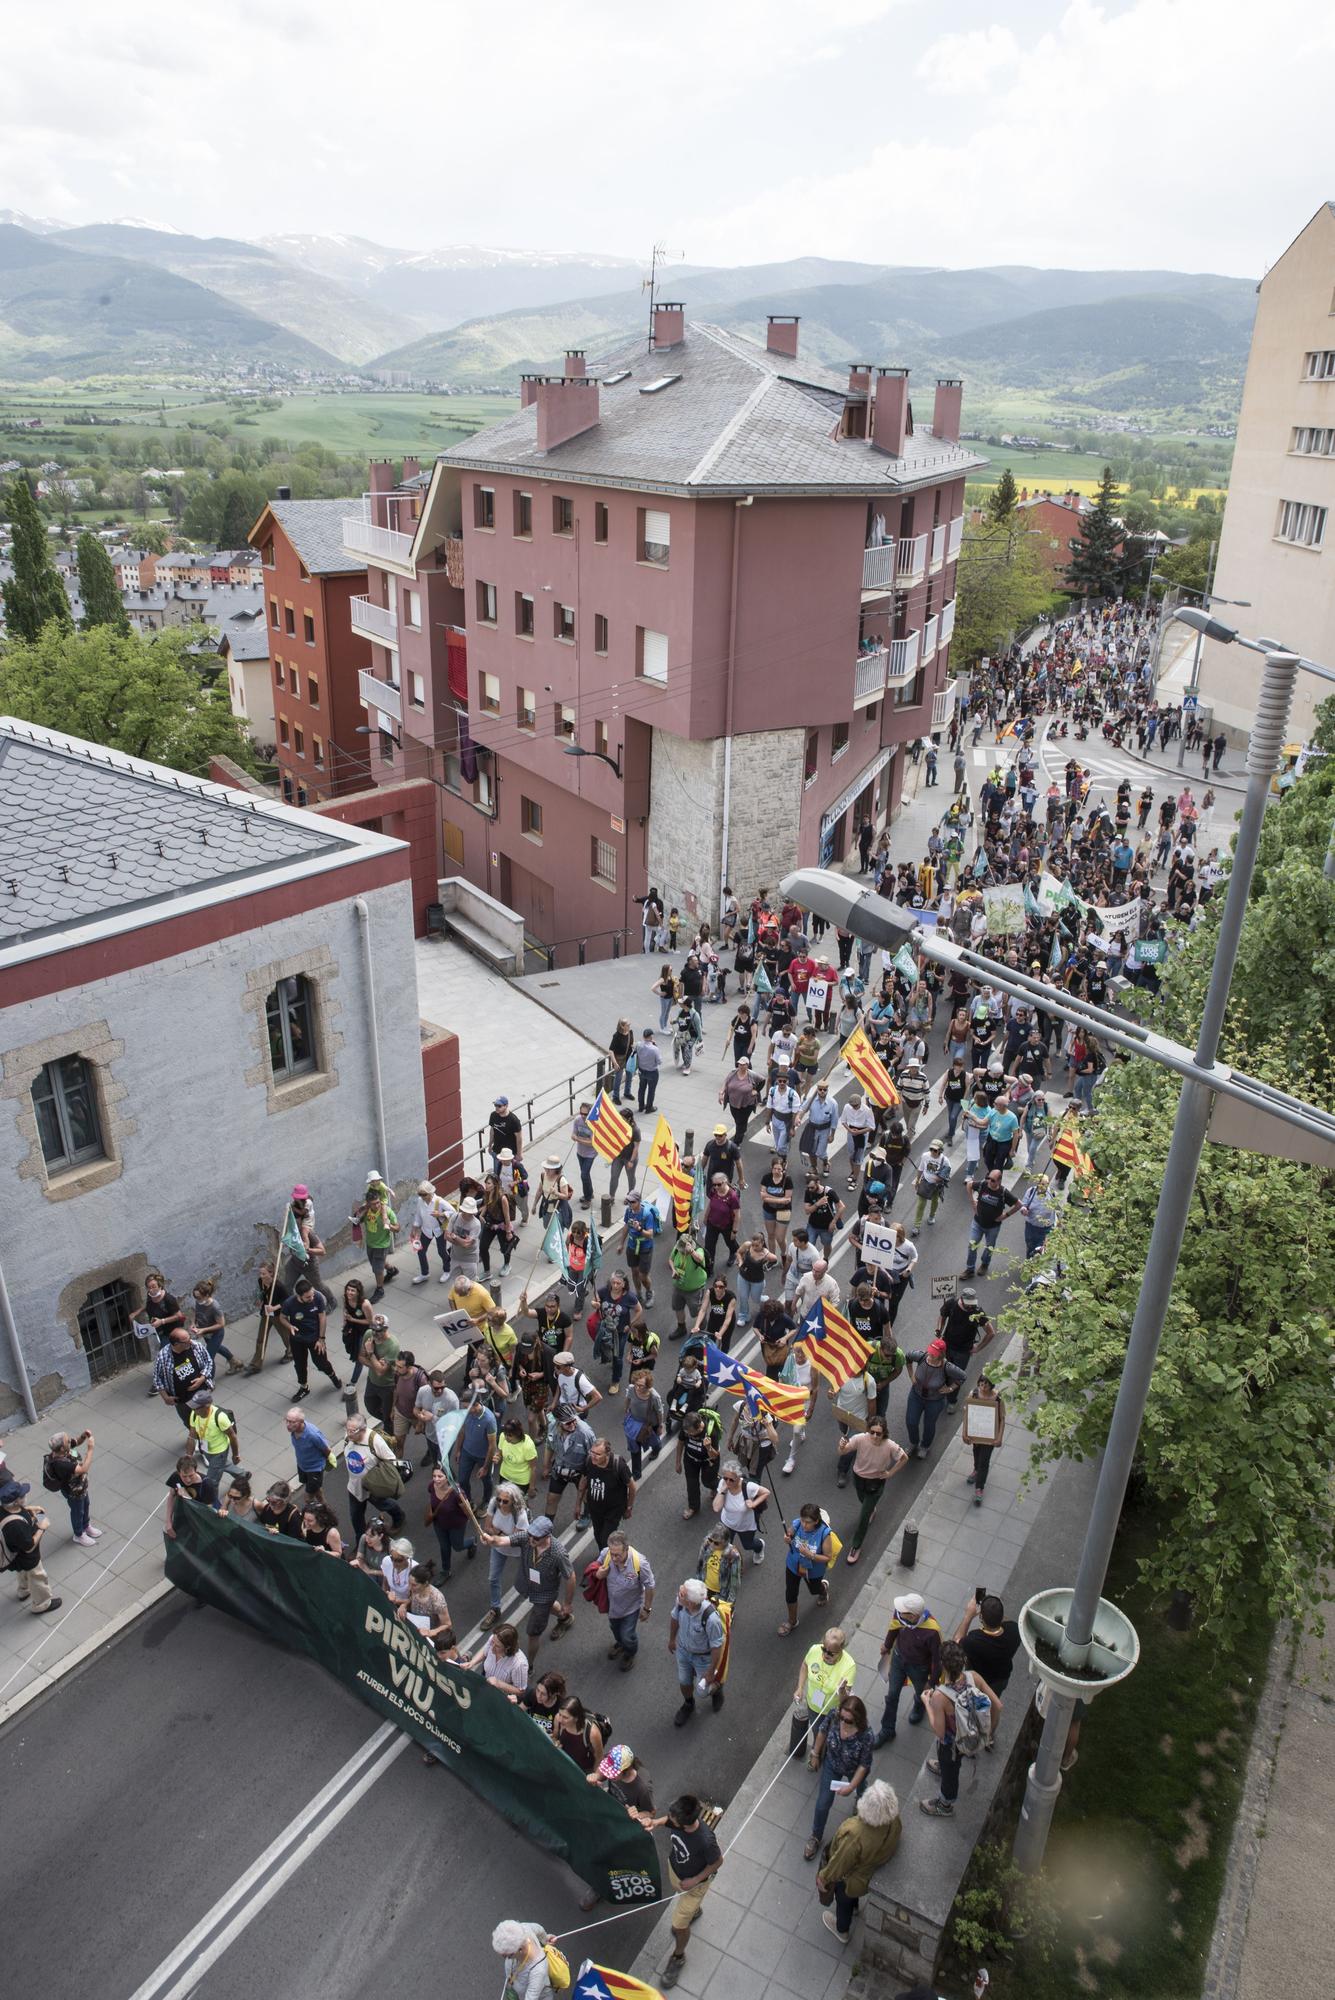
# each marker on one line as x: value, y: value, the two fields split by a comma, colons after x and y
x: 339, y: 1618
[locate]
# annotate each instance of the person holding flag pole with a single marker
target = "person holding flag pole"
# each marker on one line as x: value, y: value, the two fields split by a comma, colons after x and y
x: 290, y: 1243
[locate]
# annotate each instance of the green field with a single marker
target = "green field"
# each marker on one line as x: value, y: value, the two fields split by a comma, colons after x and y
x: 358, y: 425
x: 1042, y: 468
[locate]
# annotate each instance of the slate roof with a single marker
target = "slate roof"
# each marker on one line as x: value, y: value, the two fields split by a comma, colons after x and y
x: 739, y: 420
x: 247, y: 636
x: 88, y: 834
x: 315, y: 530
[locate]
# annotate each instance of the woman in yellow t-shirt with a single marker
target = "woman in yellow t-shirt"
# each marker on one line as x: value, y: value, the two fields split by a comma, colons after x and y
x: 516, y: 1453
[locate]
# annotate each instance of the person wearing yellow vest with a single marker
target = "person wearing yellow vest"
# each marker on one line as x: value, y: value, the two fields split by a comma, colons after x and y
x: 828, y: 1672
x: 215, y: 1432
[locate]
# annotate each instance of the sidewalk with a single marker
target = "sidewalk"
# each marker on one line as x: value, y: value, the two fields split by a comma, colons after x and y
x: 761, y: 1932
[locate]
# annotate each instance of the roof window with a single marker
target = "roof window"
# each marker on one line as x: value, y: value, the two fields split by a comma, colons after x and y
x: 660, y: 382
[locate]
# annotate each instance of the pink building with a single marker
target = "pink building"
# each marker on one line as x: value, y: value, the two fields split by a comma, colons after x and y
x: 708, y: 595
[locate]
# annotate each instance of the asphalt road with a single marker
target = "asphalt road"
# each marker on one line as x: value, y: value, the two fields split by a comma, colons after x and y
x: 147, y: 1785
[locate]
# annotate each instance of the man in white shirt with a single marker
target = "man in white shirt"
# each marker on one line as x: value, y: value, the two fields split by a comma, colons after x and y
x: 859, y: 1122
x: 816, y: 1284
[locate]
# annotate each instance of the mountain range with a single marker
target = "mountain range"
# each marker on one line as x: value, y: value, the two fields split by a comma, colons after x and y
x: 122, y: 297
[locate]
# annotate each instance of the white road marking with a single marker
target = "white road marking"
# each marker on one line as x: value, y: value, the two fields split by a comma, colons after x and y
x: 182, y: 1970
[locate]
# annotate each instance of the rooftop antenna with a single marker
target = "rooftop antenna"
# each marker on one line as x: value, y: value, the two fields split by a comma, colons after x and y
x: 659, y: 255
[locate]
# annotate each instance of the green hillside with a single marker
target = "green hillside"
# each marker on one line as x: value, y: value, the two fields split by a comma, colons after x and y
x: 71, y: 314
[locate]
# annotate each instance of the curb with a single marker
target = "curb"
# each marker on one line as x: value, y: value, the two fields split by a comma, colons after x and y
x: 48, y: 1677
x: 1224, y: 1967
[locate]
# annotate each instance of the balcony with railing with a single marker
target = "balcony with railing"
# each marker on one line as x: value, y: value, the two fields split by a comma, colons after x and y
x: 878, y: 567
x: 381, y: 695
x: 912, y: 559
x: 903, y: 659
x: 946, y: 633
x: 943, y: 704
x: 374, y: 621
x: 364, y: 535
x: 929, y: 636
x: 869, y: 676
x: 954, y: 538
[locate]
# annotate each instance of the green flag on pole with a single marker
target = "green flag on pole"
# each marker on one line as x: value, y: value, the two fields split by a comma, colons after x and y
x: 554, y: 1246
x: 906, y: 963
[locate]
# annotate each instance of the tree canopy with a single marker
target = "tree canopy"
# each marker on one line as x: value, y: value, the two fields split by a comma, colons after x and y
x: 1095, y: 568
x: 97, y: 585
x: 137, y: 693
x: 999, y: 587
x: 34, y: 596
x: 1239, y: 1431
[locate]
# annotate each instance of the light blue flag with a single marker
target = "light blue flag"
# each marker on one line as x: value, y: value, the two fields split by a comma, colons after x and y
x: 1055, y: 955
x: 554, y: 1246
x: 292, y: 1242
x: 906, y: 963
x: 762, y: 981
x: 595, y: 1252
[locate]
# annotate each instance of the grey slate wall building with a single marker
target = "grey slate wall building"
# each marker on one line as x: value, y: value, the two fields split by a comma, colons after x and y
x: 185, y: 1027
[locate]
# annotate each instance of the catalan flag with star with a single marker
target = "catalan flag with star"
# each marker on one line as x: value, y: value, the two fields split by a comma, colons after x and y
x: 834, y: 1348
x: 665, y: 1164
x: 869, y: 1070
x: 611, y: 1133
x: 604, y: 1982
x: 783, y: 1401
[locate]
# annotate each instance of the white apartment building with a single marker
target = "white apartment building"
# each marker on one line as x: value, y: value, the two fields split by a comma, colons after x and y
x: 1278, y: 543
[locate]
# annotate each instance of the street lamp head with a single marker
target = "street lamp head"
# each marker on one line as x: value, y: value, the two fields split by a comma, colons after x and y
x: 842, y: 902
x: 578, y: 750
x: 1201, y: 621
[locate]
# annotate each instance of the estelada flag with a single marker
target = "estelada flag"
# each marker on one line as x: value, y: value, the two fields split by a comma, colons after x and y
x: 869, y: 1070
x: 611, y: 1133
x: 665, y: 1164
x: 834, y: 1347
x: 604, y: 1982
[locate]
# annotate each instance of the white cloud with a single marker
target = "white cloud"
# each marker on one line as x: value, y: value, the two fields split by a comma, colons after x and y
x: 1174, y: 133
x: 957, y: 64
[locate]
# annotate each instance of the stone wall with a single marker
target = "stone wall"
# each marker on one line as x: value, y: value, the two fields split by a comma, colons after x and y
x: 686, y: 817
x: 766, y: 807
x: 204, y: 1143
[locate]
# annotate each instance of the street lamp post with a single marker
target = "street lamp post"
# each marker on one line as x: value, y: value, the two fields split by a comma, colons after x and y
x: 1203, y: 1077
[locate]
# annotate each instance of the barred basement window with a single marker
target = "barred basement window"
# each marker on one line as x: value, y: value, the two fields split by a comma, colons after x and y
x: 603, y: 862
x: 290, y: 1015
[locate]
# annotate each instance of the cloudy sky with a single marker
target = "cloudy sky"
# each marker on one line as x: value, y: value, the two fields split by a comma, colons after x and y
x: 1185, y: 133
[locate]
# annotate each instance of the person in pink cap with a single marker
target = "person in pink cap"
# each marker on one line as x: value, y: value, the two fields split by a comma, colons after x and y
x: 303, y: 1217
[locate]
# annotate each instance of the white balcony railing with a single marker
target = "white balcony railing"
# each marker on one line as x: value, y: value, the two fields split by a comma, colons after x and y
x: 869, y: 676
x: 929, y: 632
x: 363, y: 536
x: 939, y: 545
x: 943, y: 704
x: 381, y: 695
x: 373, y: 621
x: 903, y: 659
x: 954, y: 538
x: 912, y: 559
x: 878, y: 567
x: 944, y: 636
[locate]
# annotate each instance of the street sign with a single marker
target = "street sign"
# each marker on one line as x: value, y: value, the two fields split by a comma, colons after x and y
x: 944, y: 1286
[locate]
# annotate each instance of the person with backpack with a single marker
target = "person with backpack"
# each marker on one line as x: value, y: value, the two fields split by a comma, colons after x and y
x: 811, y: 1549
x: 374, y: 1479
x: 698, y: 1454
x: 523, y: 1950
x: 21, y: 1532
x: 65, y: 1472
x: 931, y: 1184
x: 962, y: 1710
x: 606, y: 1491
x: 933, y: 1374
x: 215, y: 1434
x: 630, y: 1596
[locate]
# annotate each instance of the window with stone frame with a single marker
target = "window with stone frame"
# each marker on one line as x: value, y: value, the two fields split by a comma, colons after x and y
x: 290, y: 1018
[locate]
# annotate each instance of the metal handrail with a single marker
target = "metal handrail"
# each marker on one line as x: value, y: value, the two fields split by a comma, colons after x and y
x: 540, y: 1110
x: 547, y: 952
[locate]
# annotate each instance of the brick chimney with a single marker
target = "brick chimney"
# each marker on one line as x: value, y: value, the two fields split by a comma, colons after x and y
x: 859, y: 378
x: 382, y: 475
x: 528, y: 390
x: 781, y: 334
x: 946, y: 409
x: 669, y: 323
x: 890, y: 411
x: 567, y: 406
x: 411, y: 468
x: 574, y: 363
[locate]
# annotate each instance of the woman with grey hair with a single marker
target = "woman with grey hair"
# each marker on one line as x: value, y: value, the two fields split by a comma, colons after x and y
x: 864, y: 1842
x: 522, y: 1948
x: 507, y: 1516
